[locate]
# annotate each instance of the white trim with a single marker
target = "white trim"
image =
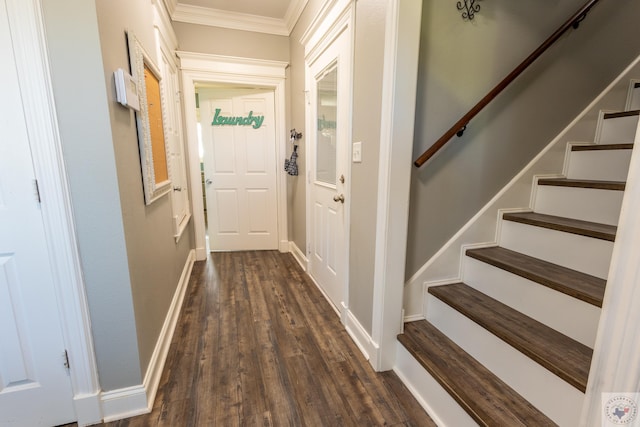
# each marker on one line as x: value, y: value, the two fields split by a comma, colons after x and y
x: 238, y: 21
x: 627, y: 105
x: 396, y: 144
x: 318, y: 19
x: 197, y: 67
x: 299, y: 256
x: 162, y: 21
x: 360, y: 335
x: 137, y: 400
x: 232, y: 20
x: 36, y: 89
x: 159, y: 356
x: 413, y: 318
x: 124, y: 403
x: 614, y: 366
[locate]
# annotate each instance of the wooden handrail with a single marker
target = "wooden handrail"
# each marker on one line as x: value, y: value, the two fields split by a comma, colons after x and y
x: 461, y: 124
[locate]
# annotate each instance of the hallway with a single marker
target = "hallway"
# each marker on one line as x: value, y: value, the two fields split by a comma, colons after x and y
x: 257, y: 344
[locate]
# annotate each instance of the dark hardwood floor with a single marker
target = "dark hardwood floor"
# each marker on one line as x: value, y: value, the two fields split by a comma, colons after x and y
x: 257, y: 344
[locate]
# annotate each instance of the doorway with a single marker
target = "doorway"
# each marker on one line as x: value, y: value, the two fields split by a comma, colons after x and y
x: 218, y: 70
x: 238, y: 140
x: 329, y: 112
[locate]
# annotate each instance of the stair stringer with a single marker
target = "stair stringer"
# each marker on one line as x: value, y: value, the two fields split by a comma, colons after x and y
x: 445, y: 265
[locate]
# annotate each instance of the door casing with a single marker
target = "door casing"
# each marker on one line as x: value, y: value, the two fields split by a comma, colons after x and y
x: 206, y: 68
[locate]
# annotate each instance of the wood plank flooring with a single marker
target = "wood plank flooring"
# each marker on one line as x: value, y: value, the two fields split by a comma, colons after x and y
x: 257, y: 344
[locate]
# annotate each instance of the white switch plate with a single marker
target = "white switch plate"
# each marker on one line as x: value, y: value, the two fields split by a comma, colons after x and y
x: 356, y: 155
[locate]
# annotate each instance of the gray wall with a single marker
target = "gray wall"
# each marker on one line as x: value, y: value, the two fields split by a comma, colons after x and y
x: 222, y: 41
x: 461, y: 61
x: 83, y: 116
x: 155, y: 259
x: 367, y: 108
x: 130, y: 260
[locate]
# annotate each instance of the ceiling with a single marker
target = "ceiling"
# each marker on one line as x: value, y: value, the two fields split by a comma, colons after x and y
x: 266, y: 16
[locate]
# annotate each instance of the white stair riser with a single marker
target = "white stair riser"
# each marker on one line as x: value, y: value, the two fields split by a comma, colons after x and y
x: 587, y: 204
x: 618, y: 130
x: 599, y: 165
x: 438, y: 403
x: 569, y: 316
x: 585, y: 254
x: 554, y: 397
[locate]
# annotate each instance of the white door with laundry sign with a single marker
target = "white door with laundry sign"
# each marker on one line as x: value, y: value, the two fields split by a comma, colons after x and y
x: 238, y: 137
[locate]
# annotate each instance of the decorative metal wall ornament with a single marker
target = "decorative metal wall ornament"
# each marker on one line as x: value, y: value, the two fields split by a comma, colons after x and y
x: 468, y: 8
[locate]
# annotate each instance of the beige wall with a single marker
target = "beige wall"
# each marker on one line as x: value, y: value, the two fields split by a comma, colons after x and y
x: 83, y: 117
x: 155, y: 259
x: 367, y: 108
x: 130, y: 259
x: 222, y: 41
x: 461, y: 61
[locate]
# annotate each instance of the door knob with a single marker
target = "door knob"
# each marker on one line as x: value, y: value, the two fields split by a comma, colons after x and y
x: 339, y: 198
x: 208, y: 181
x: 177, y: 188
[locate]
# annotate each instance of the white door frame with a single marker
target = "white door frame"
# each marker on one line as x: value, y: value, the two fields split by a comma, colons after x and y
x: 27, y: 31
x: 336, y: 18
x: 199, y: 67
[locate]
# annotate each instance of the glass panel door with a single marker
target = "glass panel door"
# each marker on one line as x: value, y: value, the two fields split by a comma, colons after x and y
x: 327, y: 107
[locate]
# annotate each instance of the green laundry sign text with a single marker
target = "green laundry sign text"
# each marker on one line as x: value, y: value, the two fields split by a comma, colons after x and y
x: 249, y: 120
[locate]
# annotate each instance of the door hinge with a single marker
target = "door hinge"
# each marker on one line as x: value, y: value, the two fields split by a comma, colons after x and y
x: 36, y: 190
x: 66, y: 360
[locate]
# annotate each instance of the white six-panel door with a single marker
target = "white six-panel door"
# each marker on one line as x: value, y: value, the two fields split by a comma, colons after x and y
x: 35, y: 389
x: 240, y: 172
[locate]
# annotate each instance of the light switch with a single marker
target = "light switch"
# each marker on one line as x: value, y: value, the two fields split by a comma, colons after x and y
x: 356, y: 155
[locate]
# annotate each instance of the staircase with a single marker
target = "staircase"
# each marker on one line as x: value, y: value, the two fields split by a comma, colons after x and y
x: 512, y: 345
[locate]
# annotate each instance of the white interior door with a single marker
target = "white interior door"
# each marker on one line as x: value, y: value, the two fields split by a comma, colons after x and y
x: 238, y: 136
x: 328, y: 79
x: 35, y: 389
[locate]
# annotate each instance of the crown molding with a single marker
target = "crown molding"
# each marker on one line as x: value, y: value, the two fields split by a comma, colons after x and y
x: 232, y: 20
x: 237, y: 21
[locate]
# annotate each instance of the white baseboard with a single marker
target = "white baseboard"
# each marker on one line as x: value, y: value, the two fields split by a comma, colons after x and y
x: 413, y: 318
x: 360, y: 336
x: 88, y: 409
x: 137, y: 400
x: 124, y: 403
x: 298, y: 255
x: 201, y: 254
x: 159, y: 356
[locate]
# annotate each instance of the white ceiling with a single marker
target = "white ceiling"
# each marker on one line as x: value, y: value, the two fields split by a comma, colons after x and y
x: 263, y: 16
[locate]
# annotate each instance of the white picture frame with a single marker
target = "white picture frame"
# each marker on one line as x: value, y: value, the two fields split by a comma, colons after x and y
x: 153, y: 157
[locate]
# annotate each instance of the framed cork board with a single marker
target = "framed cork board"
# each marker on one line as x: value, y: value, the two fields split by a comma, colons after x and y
x: 150, y: 123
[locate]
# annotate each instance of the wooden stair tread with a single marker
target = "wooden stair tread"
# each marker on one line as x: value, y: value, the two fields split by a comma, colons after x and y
x: 621, y: 114
x: 486, y: 398
x: 583, y: 183
x: 595, y: 147
x: 565, y: 357
x: 584, y: 287
x: 569, y: 225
